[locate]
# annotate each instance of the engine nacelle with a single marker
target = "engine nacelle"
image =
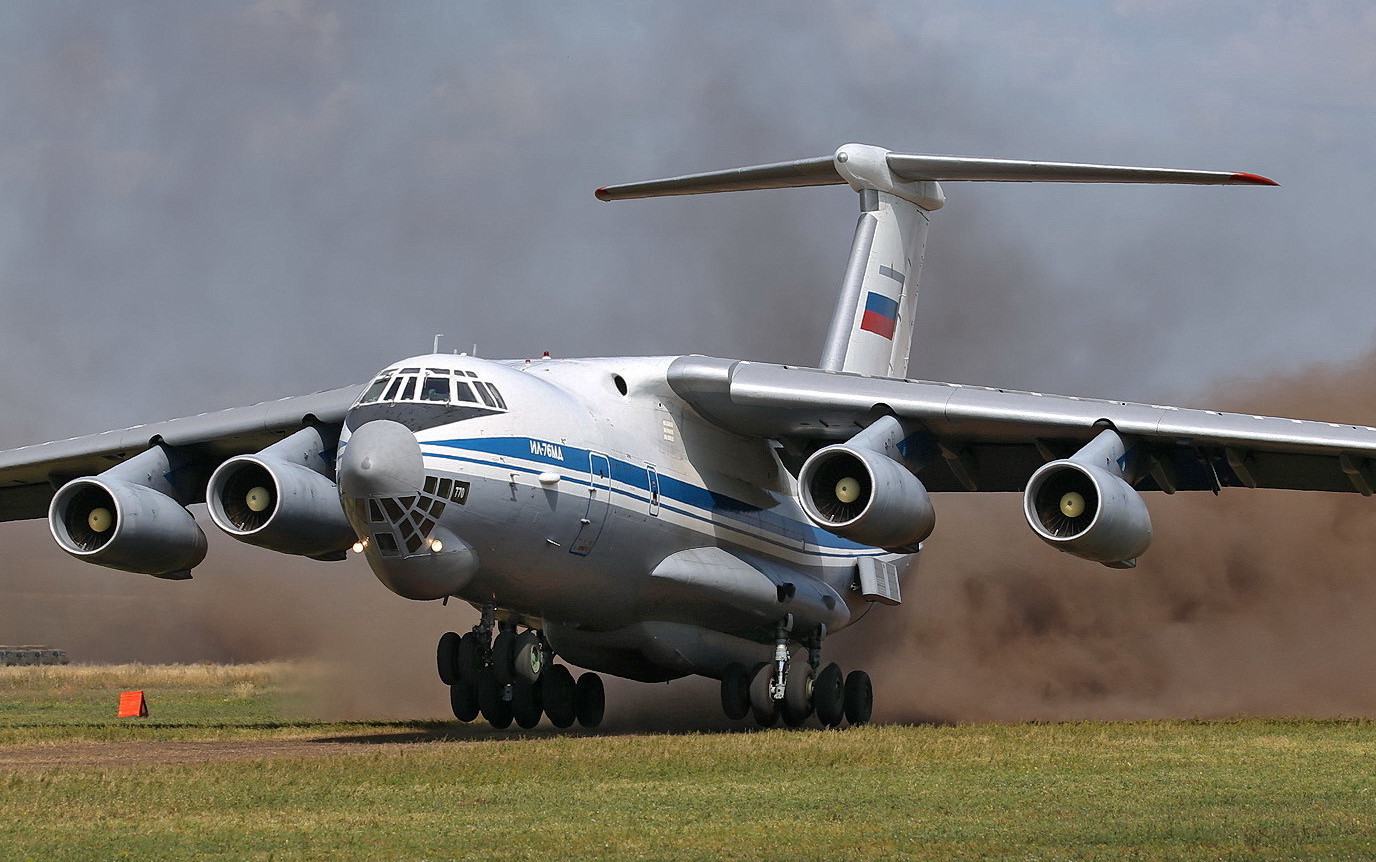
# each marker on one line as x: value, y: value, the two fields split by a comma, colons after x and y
x: 122, y: 525
x: 279, y: 505
x: 1087, y: 511
x: 867, y: 497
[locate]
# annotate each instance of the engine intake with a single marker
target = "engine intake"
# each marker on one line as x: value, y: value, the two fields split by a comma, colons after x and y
x: 275, y: 501
x: 122, y: 525
x: 1087, y: 511
x: 867, y: 497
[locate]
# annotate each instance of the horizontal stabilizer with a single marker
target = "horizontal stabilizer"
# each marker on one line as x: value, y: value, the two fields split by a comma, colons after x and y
x: 823, y: 171
x: 820, y: 171
x: 955, y: 169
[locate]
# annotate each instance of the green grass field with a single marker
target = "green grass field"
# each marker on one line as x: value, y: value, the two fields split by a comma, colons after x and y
x: 76, y: 783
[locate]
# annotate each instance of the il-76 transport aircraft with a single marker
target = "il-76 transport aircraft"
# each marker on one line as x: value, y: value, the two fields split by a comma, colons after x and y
x: 657, y: 517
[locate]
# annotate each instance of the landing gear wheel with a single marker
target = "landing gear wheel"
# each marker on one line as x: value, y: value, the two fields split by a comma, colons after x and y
x: 828, y: 695
x: 468, y: 659
x: 735, y: 691
x: 526, y: 707
x: 558, y: 692
x: 463, y: 699
x: 590, y: 700
x: 529, y: 662
x: 765, y: 709
x: 445, y: 655
x: 503, y: 651
x: 859, y: 698
x: 491, y: 702
x: 797, y: 705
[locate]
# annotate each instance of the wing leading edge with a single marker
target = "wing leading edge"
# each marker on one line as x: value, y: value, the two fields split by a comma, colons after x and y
x: 979, y: 439
x: 30, y: 475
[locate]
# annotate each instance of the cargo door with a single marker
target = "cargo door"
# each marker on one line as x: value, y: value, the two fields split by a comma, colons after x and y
x: 599, y: 501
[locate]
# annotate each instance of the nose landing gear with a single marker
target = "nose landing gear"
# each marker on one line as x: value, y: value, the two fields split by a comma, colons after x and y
x: 510, y: 677
x: 793, y: 690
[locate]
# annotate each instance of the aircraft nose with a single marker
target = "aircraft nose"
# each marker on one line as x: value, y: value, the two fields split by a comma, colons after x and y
x: 382, y: 459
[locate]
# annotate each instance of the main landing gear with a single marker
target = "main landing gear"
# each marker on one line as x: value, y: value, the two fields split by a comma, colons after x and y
x: 511, y: 677
x: 793, y: 691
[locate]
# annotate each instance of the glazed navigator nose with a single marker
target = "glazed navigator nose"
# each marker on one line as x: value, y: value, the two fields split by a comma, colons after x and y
x: 382, y: 459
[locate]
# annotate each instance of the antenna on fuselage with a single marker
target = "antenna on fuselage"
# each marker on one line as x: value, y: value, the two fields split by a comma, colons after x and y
x: 871, y: 329
x: 436, y: 347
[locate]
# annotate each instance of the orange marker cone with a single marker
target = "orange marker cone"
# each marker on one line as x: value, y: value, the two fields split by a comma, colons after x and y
x: 132, y: 705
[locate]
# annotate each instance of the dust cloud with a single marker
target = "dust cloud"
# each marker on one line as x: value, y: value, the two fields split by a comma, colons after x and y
x: 1252, y: 603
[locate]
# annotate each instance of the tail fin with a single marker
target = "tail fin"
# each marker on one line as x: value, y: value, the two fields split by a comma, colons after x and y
x: 871, y: 329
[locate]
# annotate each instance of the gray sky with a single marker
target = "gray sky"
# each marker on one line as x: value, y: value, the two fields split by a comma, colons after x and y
x: 209, y: 204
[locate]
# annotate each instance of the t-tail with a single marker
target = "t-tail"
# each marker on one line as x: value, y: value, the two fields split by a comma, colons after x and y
x: 871, y: 329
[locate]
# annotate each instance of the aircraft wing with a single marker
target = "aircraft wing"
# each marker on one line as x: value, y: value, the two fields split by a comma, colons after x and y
x: 971, y: 438
x: 30, y: 475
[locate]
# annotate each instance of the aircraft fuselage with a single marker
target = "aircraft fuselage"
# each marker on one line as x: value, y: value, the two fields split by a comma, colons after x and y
x: 557, y: 499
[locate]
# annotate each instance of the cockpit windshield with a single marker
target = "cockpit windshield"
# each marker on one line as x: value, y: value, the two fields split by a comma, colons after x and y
x: 433, y: 386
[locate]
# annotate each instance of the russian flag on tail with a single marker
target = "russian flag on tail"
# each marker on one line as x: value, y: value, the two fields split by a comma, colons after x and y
x: 881, y: 315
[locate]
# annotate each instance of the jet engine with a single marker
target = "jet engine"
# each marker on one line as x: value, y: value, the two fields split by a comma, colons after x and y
x: 1086, y: 510
x: 867, y: 497
x: 122, y: 525
x: 281, y: 499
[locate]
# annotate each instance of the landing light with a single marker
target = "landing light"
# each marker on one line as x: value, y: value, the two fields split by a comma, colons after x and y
x: 359, y: 546
x: 436, y: 545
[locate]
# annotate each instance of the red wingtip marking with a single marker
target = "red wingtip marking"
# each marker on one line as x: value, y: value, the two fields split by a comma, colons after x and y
x: 602, y: 195
x: 1255, y: 179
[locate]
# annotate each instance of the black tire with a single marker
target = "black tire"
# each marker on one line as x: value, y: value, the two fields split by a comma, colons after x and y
x: 735, y: 691
x: 468, y: 660
x: 463, y: 699
x: 445, y: 655
x: 590, y: 700
x: 859, y: 698
x: 761, y: 704
x: 797, y: 705
x: 558, y: 692
x: 529, y: 661
x: 829, y: 696
x: 491, y: 702
x: 503, y: 651
x: 526, y: 707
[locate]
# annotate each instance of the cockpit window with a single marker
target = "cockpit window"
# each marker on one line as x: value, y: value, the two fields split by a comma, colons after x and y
x: 375, y: 391
x: 463, y: 393
x: 435, y: 388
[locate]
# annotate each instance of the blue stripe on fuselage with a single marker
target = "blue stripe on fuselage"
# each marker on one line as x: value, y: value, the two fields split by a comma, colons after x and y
x: 636, y: 476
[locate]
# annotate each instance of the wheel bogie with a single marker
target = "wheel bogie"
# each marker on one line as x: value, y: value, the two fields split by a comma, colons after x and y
x: 528, y: 661
x: 463, y: 700
x: 762, y: 702
x: 492, y: 702
x: 590, y: 700
x: 735, y: 691
x: 503, y: 655
x: 526, y: 707
x: 859, y: 698
x: 446, y: 655
x: 828, y: 695
x: 558, y: 692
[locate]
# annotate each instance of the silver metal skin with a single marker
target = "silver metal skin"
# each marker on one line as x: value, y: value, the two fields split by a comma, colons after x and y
x: 644, y: 516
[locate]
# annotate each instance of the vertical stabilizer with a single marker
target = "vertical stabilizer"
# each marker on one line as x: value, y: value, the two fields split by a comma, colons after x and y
x: 872, y: 328
x: 871, y: 331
